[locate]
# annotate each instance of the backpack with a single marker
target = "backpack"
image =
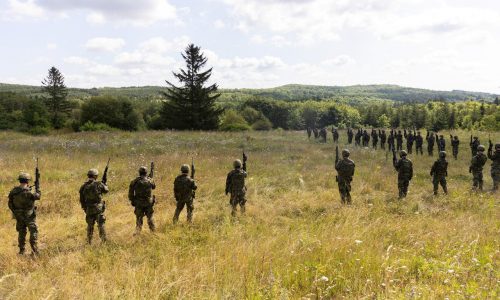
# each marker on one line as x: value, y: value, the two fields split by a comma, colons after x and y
x: 91, y: 193
x: 142, y: 189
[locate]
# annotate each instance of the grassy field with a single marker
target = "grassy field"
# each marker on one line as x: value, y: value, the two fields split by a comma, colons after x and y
x: 296, y: 240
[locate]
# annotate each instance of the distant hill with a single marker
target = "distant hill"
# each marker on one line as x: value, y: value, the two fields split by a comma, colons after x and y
x: 291, y: 92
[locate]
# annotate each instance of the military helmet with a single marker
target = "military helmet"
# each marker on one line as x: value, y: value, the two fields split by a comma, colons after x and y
x: 93, y: 172
x: 184, y: 168
x: 442, y: 154
x: 143, y: 170
x: 237, y: 163
x: 403, y: 153
x: 24, y: 176
x: 345, y: 153
x: 480, y: 148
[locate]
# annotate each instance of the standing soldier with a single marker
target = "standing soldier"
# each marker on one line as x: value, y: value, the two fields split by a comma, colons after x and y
x: 399, y: 141
x: 235, y: 185
x: 335, y: 134
x: 454, y: 145
x: 374, y: 135
x: 350, y: 135
x: 383, y: 138
x: 474, y: 144
x: 495, y: 165
x: 390, y: 140
x: 357, y: 138
x: 323, y: 134
x: 345, y: 171
x: 91, y: 201
x: 441, y: 143
x: 315, y: 132
x: 419, y: 143
x: 366, y: 139
x: 476, y: 168
x: 404, y: 166
x: 140, y: 194
x: 409, y: 141
x: 430, y: 143
x: 22, y: 204
x: 439, y: 171
x: 184, y: 187
x: 309, y: 132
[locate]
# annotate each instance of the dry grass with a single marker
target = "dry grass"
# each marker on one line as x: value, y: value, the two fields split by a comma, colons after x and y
x: 295, y: 241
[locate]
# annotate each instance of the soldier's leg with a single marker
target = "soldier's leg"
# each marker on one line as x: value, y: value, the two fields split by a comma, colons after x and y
x: 444, y: 185
x: 342, y: 193
x: 435, y: 182
x: 480, y: 181
x: 21, y: 237
x: 139, y: 216
x: 348, y: 192
x: 401, y: 188
x: 190, y: 209
x: 33, y: 234
x: 150, y: 215
x: 178, y: 209
x: 495, y: 175
x: 90, y: 219
x: 243, y: 201
x: 101, y: 220
x: 234, y: 204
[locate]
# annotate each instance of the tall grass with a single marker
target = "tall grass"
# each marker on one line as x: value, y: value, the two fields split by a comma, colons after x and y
x: 295, y: 241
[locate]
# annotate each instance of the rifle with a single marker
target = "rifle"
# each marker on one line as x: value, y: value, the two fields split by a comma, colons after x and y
x: 192, y: 175
x: 152, y: 170
x: 37, y: 178
x: 244, y: 161
x: 336, y: 160
x: 471, y: 139
x: 490, y: 147
x: 105, y: 174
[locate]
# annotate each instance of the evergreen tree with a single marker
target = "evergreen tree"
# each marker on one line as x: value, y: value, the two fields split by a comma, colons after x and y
x: 497, y: 101
x: 192, y: 106
x: 57, y: 104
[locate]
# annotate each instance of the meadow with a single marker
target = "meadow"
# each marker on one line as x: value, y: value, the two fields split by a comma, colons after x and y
x: 295, y: 241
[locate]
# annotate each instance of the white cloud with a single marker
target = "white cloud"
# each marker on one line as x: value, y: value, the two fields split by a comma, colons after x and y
x: 219, y: 24
x: 18, y: 9
x: 96, y: 18
x: 103, y: 70
x: 76, y: 60
x: 162, y: 45
x: 105, y: 44
x: 340, y: 60
x: 51, y: 46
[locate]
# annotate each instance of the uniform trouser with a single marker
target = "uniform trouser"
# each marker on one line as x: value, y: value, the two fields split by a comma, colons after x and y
x: 430, y: 150
x: 382, y: 145
x: 495, y: 175
x: 399, y: 147
x: 235, y: 200
x: 409, y: 148
x: 477, y: 180
x: 93, y: 218
x: 188, y: 203
x: 374, y: 144
x: 144, y: 210
x: 345, y: 190
x: 439, y: 180
x: 23, y: 224
x: 455, y: 153
x: 418, y: 148
x: 403, y: 184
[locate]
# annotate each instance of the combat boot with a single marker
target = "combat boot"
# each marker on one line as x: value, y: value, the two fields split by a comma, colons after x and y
x: 22, y: 250
x: 90, y: 233
x: 151, y: 224
x: 102, y: 233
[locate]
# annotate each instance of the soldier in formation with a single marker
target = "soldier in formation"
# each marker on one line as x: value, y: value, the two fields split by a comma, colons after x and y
x: 441, y: 143
x: 309, y: 131
x: 345, y: 170
x: 184, y: 188
x: 140, y: 194
x: 350, y: 135
x: 22, y: 205
x: 495, y: 165
x: 476, y: 168
x: 419, y: 143
x: 430, y: 143
x: 235, y: 186
x: 335, y: 134
x: 316, y: 133
x: 409, y: 141
x: 439, y: 171
x: 399, y: 141
x: 474, y: 144
x: 374, y: 135
x: 323, y: 134
x: 91, y: 193
x: 383, y: 138
x: 390, y: 140
x: 455, y: 142
x: 357, y: 138
x: 404, y: 167
x: 366, y: 138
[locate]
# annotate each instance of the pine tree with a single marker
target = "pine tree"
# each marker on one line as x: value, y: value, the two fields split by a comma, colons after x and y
x: 57, y: 104
x: 192, y: 106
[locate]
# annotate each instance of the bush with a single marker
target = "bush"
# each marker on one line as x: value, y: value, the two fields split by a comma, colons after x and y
x: 89, y: 126
x: 114, y: 112
x: 262, y: 124
x: 232, y: 121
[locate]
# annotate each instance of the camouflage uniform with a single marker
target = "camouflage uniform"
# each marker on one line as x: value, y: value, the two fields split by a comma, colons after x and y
x: 350, y: 135
x: 184, y: 187
x: 404, y: 167
x: 374, y: 135
x: 316, y: 133
x: 323, y: 134
x: 495, y: 166
x: 441, y: 143
x: 410, y: 138
x: 430, y: 143
x: 476, y: 168
x: 309, y: 131
x: 235, y: 185
x: 22, y: 204
x: 345, y: 170
x: 455, y: 142
x: 439, y: 171
x: 335, y: 134
x: 419, y: 143
x: 399, y: 141
x: 474, y: 145
x: 383, y: 138
x: 366, y: 139
x: 91, y: 201
x: 140, y: 194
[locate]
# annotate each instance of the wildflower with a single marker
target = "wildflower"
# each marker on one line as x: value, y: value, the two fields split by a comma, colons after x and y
x: 358, y: 242
x: 323, y: 278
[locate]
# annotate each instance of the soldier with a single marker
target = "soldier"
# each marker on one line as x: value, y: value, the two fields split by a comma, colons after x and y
x: 374, y: 135
x: 323, y: 134
x: 419, y: 143
x: 235, y: 185
x: 399, y: 141
x: 454, y: 145
x: 366, y: 138
x: 357, y: 138
x: 335, y: 134
x: 184, y: 187
x: 383, y: 138
x: 350, y: 135
x: 476, y: 168
x: 91, y: 201
x: 316, y: 132
x: 409, y: 141
x: 430, y: 143
x: 495, y: 165
x: 309, y: 131
x: 345, y: 170
x: 441, y: 143
x: 140, y: 194
x: 474, y: 144
x: 390, y: 140
x: 22, y: 204
x: 404, y: 166
x: 439, y: 171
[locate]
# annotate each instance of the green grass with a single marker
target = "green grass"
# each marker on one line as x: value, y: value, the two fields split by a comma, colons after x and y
x: 295, y: 241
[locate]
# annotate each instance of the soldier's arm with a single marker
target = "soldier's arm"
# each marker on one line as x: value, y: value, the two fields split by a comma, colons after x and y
x: 37, y: 195
x: 82, y: 198
x: 131, y: 193
x: 193, y: 185
x: 228, y: 182
x: 176, y: 189
x: 433, y: 169
x: 153, y: 184
x: 411, y: 170
x: 11, y: 202
x: 104, y: 188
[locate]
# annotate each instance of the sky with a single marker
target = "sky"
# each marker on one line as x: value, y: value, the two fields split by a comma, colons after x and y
x: 434, y: 44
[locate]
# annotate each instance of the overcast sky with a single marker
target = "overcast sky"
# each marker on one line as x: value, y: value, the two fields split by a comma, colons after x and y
x: 436, y: 44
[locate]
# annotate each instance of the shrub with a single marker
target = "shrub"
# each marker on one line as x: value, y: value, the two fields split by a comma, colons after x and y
x: 262, y: 124
x: 89, y: 126
x: 114, y: 112
x: 232, y: 121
